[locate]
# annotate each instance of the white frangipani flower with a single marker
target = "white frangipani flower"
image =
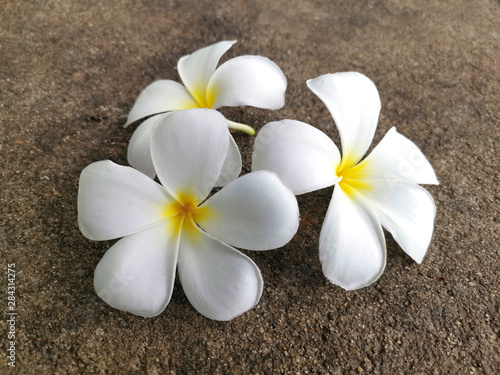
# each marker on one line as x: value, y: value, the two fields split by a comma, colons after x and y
x: 175, y: 224
x: 242, y: 81
x: 379, y: 191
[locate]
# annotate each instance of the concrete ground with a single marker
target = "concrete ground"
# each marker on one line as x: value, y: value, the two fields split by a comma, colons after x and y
x: 70, y: 72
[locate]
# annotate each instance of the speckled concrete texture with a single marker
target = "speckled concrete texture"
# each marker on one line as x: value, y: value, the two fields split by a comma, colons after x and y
x: 70, y: 72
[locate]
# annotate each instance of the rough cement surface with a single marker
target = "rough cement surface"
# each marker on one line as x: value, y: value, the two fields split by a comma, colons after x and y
x: 70, y: 72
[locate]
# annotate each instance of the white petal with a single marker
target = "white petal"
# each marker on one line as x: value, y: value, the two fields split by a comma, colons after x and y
x: 188, y: 150
x: 219, y: 281
x: 303, y: 157
x: 248, y: 81
x: 255, y: 212
x: 231, y: 168
x: 354, y: 104
x: 351, y: 244
x: 139, y: 153
x: 115, y: 201
x: 196, y: 69
x: 160, y: 96
x: 139, y: 147
x: 397, y: 158
x: 407, y: 211
x: 137, y: 273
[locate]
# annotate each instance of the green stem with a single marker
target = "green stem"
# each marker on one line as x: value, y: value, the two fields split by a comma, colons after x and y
x: 241, y: 127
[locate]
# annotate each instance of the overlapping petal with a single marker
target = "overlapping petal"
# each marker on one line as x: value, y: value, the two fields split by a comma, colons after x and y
x: 407, y: 211
x: 255, y: 212
x: 304, y: 157
x: 219, y: 281
x: 351, y: 245
x: 248, y: 81
x: 397, y: 158
x: 354, y: 104
x: 139, y: 147
x: 116, y: 201
x: 231, y: 168
x: 160, y: 96
x: 137, y: 273
x: 188, y: 150
x: 197, y: 68
x: 139, y: 153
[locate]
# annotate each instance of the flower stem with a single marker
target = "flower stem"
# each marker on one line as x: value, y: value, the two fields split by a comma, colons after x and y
x: 241, y: 127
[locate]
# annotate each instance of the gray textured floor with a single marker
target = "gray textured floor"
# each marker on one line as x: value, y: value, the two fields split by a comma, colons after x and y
x: 70, y: 72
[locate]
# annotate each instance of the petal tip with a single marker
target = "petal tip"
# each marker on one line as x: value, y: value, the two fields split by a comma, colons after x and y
x: 352, y: 286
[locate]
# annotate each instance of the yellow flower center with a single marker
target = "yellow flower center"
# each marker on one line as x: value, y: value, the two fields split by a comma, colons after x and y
x: 352, y: 177
x: 204, y: 97
x: 183, y: 214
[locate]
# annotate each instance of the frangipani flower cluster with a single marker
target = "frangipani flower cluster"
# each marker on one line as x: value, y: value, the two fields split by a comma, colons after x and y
x: 242, y: 81
x: 177, y: 226
x: 186, y: 143
x: 378, y: 191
